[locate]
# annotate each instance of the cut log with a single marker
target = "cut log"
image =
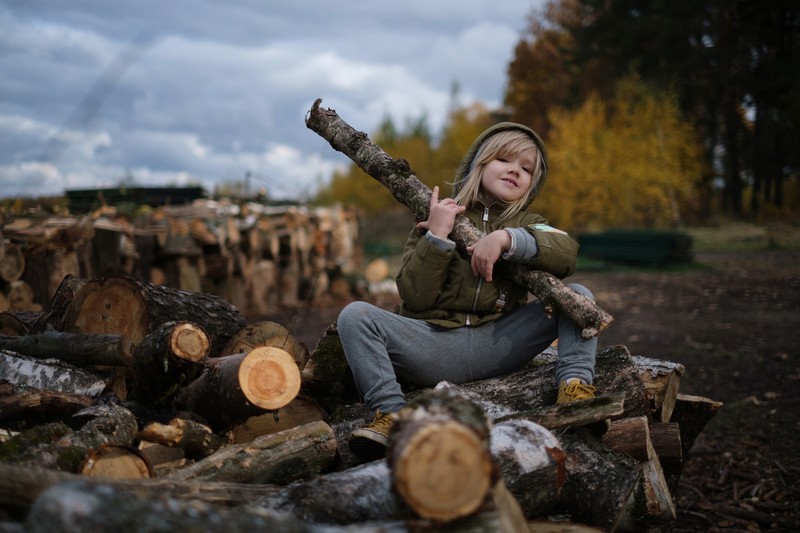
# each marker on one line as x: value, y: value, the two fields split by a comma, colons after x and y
x: 196, y: 439
x: 236, y: 387
x: 267, y: 333
x: 20, y: 296
x: 31, y: 405
x: 128, y: 306
x: 589, y: 412
x: 56, y: 446
x: 162, y: 458
x: 166, y: 360
x: 532, y: 388
x: 599, y: 481
x: 12, y: 262
x: 55, y: 312
x: 630, y: 436
x: 302, y: 452
x: 439, y: 456
x: 115, y: 461
x: 302, y: 410
x: 54, y: 375
x: 661, y: 380
x: 75, y: 348
x: 16, y: 323
x: 396, y: 176
x: 20, y: 486
x: 531, y: 462
x: 666, y: 439
x: 328, y: 376
x: 692, y: 413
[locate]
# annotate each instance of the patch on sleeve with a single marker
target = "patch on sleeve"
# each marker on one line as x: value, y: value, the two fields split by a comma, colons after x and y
x: 545, y: 227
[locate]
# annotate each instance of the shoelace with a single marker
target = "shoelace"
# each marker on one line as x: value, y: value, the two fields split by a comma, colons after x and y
x: 382, y: 421
x: 582, y: 390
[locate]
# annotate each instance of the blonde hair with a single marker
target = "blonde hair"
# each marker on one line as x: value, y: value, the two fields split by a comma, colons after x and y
x: 501, y: 144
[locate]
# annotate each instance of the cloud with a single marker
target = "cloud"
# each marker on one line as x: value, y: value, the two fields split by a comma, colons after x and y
x: 95, y: 92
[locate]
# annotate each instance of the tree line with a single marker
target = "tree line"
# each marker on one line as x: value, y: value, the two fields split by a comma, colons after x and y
x: 655, y: 114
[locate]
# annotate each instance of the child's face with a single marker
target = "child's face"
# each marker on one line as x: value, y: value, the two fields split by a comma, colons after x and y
x: 508, y: 178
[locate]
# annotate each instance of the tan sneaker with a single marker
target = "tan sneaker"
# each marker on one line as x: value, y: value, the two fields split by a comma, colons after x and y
x: 574, y: 389
x: 371, y: 440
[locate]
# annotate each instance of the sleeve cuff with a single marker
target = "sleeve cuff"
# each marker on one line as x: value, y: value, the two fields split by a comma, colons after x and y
x: 445, y: 245
x: 523, y: 246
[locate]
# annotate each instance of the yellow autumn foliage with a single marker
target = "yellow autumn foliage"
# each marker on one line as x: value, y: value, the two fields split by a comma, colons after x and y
x: 631, y: 162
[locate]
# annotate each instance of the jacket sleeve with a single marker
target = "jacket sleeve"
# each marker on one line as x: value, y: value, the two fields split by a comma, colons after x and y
x: 554, y: 251
x: 423, y: 271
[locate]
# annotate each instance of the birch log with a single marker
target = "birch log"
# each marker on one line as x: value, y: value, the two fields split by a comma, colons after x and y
x: 397, y: 176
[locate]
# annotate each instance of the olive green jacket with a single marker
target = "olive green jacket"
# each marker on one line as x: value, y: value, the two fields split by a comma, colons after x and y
x: 438, y: 285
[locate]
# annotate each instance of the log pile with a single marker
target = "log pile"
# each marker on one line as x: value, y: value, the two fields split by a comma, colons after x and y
x: 181, y: 415
x: 259, y: 258
x: 175, y: 419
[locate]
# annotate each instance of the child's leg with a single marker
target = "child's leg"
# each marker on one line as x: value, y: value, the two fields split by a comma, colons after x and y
x: 379, y: 345
x: 576, y: 355
x: 512, y: 341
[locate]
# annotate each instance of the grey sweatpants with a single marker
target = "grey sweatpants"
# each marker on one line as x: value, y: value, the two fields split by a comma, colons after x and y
x: 380, y: 345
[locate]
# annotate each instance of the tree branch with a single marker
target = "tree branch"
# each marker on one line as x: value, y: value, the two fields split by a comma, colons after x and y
x: 397, y: 176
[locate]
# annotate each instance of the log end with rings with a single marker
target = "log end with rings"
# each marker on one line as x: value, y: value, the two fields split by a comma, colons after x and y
x: 269, y: 377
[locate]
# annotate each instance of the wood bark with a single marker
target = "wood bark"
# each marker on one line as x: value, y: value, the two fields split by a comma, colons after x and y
x: 132, y: 307
x: 16, y: 323
x: 692, y: 413
x: 75, y: 348
x: 53, y: 375
x: 301, y: 410
x: 31, y: 405
x: 236, y: 387
x: 196, y: 439
x: 396, y: 176
x: 531, y: 461
x: 20, y: 486
x: 661, y: 382
x: 267, y: 333
x: 107, y: 508
x: 532, y: 388
x: 56, y: 446
x: 298, y: 453
x: 440, y: 425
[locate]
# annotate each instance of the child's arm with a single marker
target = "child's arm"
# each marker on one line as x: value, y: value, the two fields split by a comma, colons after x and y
x: 543, y: 247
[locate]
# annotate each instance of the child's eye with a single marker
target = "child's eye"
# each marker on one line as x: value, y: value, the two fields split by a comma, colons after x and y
x: 503, y: 159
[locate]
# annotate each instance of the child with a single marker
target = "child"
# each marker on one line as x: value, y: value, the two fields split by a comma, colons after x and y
x: 460, y: 319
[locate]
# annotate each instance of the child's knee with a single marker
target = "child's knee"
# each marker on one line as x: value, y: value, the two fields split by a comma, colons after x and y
x: 352, y: 313
x: 580, y: 289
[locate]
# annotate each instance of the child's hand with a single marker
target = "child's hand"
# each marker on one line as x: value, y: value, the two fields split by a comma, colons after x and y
x: 487, y: 250
x: 442, y: 215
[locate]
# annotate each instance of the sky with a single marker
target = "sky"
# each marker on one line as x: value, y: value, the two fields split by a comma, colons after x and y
x: 96, y: 93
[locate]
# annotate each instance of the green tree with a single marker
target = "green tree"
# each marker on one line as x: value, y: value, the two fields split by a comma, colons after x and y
x: 731, y: 63
x: 630, y: 162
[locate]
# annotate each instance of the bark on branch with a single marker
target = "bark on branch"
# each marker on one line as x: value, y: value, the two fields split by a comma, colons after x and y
x: 397, y: 176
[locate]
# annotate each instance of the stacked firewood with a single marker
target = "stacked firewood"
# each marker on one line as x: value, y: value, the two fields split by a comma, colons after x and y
x: 153, y: 406
x: 259, y: 258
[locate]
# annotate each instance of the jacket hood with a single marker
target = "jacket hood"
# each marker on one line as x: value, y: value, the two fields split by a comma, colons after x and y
x: 466, y: 163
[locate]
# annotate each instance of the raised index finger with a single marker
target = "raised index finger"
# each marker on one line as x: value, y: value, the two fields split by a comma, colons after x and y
x: 435, y: 196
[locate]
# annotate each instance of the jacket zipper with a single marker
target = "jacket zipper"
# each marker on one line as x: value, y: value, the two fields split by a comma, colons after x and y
x: 480, y: 280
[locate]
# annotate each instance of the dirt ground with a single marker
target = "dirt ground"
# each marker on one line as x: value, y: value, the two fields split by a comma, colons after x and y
x: 733, y: 320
